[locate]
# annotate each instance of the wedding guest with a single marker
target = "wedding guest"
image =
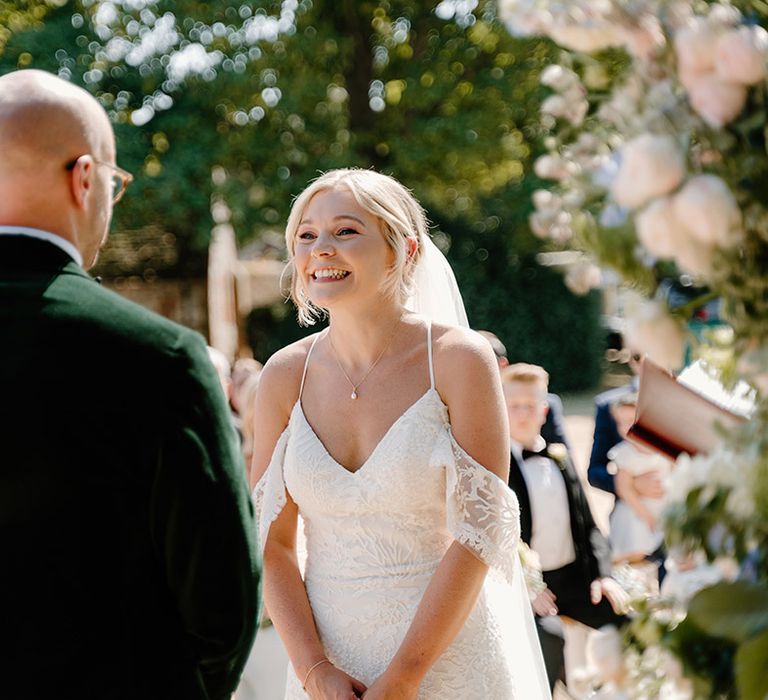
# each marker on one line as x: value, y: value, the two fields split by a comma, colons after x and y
x: 635, y: 527
x: 130, y: 567
x: 554, y: 426
x: 223, y: 370
x: 247, y: 403
x: 242, y: 370
x: 601, y: 471
x: 555, y: 519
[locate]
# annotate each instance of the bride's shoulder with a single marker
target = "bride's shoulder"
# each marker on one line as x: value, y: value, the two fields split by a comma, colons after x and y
x: 281, y: 376
x: 462, y: 355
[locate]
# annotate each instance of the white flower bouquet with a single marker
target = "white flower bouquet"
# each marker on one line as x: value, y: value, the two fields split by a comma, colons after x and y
x: 657, y: 150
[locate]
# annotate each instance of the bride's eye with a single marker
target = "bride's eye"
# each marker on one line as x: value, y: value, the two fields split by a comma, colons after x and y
x: 306, y: 236
x: 346, y: 231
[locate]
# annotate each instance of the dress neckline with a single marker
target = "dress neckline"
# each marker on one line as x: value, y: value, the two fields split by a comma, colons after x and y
x: 298, y: 408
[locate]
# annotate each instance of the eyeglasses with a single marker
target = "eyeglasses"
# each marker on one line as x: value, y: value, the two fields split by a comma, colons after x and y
x: 120, y: 178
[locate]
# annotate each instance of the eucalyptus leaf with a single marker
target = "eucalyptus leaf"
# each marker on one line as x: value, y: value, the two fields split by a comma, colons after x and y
x: 751, y: 665
x: 734, y: 611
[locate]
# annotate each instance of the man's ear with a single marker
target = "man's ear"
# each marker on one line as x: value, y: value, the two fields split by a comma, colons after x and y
x: 81, y: 180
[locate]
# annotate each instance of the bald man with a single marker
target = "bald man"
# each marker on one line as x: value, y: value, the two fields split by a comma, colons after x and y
x: 129, y: 564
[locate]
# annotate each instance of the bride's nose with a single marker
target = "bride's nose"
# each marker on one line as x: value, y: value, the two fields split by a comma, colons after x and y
x: 323, y: 248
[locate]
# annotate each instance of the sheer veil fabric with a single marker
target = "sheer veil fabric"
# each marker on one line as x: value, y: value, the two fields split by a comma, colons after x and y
x: 436, y: 294
x: 375, y: 536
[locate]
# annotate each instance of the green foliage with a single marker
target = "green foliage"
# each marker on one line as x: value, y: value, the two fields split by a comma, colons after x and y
x: 751, y: 665
x: 737, y: 612
x: 707, y: 660
x: 273, y: 97
x: 528, y: 307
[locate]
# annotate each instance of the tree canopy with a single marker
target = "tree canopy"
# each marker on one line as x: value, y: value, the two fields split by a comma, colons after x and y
x: 250, y: 100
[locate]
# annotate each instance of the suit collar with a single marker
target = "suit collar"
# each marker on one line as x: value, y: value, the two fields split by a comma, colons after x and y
x: 517, y: 448
x: 25, y: 256
x: 47, y: 236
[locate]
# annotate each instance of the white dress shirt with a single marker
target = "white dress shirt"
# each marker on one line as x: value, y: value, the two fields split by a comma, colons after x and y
x: 551, y: 536
x: 62, y: 243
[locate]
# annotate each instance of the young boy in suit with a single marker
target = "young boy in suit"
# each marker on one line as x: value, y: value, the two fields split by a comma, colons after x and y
x: 555, y: 519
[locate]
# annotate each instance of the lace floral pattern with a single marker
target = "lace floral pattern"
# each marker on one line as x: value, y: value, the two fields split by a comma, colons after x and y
x: 268, y: 496
x: 482, y: 511
x: 375, y: 537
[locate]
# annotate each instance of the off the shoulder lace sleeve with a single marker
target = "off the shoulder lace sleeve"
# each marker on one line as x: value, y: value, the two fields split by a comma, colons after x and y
x: 482, y: 511
x: 269, y: 497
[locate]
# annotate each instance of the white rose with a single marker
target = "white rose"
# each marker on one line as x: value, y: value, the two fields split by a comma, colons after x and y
x: 550, y: 168
x: 653, y: 332
x: 741, y: 55
x: 708, y: 210
x: 715, y: 100
x: 558, y: 78
x: 584, y: 37
x: 646, y: 39
x: 556, y: 105
x: 557, y: 451
x: 551, y: 223
x: 689, y: 76
x: 582, y: 277
x: 695, y: 46
x: 650, y: 166
x: 541, y: 223
x: 561, y: 230
x: 658, y: 229
x: 576, y: 112
x: 544, y: 199
x: 695, y: 258
x: 728, y: 566
x: 723, y: 15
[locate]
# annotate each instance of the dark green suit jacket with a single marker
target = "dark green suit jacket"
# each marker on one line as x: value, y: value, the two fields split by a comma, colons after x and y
x: 128, y: 558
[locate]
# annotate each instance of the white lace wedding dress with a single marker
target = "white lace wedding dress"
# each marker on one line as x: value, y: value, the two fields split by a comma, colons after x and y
x: 375, y: 536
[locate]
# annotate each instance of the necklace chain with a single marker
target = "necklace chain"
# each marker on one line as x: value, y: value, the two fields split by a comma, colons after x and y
x: 354, y: 386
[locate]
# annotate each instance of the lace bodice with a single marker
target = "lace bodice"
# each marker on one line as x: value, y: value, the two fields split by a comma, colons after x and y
x: 374, y: 538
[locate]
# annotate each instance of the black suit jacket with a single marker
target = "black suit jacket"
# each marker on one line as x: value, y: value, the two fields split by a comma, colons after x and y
x: 129, y: 563
x: 592, y: 549
x: 553, y: 429
x: 605, y: 437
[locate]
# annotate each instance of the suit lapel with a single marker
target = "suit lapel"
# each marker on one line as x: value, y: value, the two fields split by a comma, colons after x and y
x: 517, y: 484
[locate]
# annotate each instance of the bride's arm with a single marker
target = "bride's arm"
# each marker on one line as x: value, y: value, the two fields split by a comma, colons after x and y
x: 285, y: 597
x: 468, y: 381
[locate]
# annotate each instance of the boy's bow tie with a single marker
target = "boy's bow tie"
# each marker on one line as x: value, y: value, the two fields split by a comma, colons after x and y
x: 535, y: 453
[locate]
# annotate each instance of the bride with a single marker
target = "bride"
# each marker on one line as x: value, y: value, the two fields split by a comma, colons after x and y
x: 387, y: 433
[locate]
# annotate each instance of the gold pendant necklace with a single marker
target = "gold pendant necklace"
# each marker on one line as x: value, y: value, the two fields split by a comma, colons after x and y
x: 354, y: 386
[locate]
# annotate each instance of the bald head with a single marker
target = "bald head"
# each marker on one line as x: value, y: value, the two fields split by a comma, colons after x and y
x: 45, y: 123
x: 44, y: 118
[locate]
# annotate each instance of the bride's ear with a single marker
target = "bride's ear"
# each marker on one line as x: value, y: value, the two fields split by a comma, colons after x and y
x: 412, y: 246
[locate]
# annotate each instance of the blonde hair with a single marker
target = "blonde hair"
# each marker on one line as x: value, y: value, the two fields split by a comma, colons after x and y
x: 525, y: 373
x: 402, y: 218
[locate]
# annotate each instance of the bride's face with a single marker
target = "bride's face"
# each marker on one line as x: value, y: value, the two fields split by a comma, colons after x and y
x: 340, y: 251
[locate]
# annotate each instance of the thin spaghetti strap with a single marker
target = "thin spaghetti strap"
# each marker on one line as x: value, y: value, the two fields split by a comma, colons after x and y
x: 429, y: 355
x: 306, y: 364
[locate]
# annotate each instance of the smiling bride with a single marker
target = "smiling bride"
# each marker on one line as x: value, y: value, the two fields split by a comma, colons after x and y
x: 386, y: 432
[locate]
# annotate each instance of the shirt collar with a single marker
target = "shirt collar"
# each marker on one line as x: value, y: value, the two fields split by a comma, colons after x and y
x: 41, y: 235
x: 517, y: 449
